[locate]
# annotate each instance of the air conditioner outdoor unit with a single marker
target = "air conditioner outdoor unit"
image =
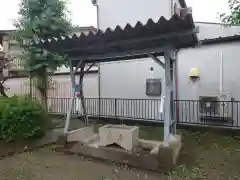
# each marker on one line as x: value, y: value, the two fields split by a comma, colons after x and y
x: 216, y: 105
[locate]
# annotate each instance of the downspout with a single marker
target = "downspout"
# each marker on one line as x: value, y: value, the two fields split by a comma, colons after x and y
x: 176, y: 88
x: 221, y: 73
x: 99, y: 66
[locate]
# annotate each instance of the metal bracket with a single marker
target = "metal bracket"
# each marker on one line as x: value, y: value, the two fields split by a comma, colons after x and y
x: 158, y: 61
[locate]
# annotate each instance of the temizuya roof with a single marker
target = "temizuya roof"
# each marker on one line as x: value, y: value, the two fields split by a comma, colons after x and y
x: 128, y: 42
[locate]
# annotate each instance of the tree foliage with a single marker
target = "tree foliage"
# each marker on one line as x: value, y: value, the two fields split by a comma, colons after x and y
x: 41, y: 20
x: 22, y: 118
x: 233, y: 17
x: 5, y: 63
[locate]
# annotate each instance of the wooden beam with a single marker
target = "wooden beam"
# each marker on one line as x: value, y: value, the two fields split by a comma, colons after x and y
x: 158, y: 61
x: 79, y: 64
x: 88, y: 69
x: 119, y: 56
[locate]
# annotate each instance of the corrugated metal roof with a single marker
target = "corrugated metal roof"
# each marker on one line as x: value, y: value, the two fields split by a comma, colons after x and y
x: 113, y: 44
x: 218, y: 40
x: 151, y: 28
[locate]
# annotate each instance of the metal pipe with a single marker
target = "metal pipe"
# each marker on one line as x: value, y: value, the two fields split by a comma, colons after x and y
x: 99, y: 66
x: 221, y: 73
x: 167, y: 102
x: 98, y: 23
x: 69, y: 113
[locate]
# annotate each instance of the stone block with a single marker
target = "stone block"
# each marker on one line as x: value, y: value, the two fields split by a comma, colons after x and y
x: 124, y: 136
x: 80, y: 135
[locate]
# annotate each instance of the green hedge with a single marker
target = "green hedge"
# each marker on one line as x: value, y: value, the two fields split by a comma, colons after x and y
x: 22, y: 118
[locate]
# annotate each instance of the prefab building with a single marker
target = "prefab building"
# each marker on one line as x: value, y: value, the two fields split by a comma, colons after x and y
x: 216, y: 58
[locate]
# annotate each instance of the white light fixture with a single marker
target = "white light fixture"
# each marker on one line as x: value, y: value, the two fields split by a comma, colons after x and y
x: 1, y: 48
x: 94, y: 2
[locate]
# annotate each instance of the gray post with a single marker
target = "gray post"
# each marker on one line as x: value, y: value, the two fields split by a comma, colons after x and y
x: 174, y: 67
x: 82, y: 95
x: 167, y: 104
x: 69, y: 113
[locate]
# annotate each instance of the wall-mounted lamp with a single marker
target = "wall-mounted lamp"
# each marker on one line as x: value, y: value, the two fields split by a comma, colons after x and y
x: 194, y: 74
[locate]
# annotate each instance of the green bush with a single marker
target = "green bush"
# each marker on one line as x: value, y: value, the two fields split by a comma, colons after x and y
x: 22, y: 118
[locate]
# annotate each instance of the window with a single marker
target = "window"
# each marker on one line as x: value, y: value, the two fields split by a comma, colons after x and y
x: 153, y: 87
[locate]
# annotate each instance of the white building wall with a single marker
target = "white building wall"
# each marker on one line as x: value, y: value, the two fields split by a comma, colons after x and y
x: 127, y: 79
x: 61, y: 102
x: 207, y: 58
x: 121, y: 12
x: 14, y: 86
x: 62, y: 87
x: 121, y: 79
x: 213, y: 30
x: 124, y: 82
x: 90, y: 85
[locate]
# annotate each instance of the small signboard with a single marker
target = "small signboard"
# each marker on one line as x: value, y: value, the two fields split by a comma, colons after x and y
x: 77, y: 88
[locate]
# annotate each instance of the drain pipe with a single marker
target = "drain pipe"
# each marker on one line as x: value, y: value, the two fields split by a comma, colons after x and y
x: 221, y: 73
x: 99, y: 72
x: 176, y: 82
x: 95, y: 3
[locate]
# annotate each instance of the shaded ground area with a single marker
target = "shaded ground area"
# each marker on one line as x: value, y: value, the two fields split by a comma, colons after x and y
x: 48, y: 165
x: 207, y: 156
x: 7, y: 149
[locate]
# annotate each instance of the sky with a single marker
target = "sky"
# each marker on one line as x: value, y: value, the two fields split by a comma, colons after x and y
x: 83, y: 13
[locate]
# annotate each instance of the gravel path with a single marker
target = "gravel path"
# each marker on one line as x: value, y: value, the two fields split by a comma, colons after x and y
x: 44, y: 164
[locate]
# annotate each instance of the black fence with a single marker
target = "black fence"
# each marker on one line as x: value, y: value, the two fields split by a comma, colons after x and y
x: 215, y: 113
x: 212, y: 113
x: 145, y: 109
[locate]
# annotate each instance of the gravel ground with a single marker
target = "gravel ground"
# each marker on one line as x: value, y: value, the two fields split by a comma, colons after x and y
x: 44, y: 164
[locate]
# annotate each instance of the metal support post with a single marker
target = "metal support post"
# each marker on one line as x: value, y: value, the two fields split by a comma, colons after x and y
x: 167, y: 107
x: 175, y: 111
x: 169, y: 66
x: 69, y: 113
x: 82, y: 95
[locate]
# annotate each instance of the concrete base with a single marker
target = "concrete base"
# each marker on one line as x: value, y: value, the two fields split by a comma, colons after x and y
x: 158, y: 158
x: 149, y: 144
x: 162, y: 161
x: 83, y: 135
x: 175, y: 145
x: 157, y: 147
x: 124, y: 136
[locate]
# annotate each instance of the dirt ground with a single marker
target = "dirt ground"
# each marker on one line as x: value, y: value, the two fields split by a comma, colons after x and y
x: 44, y: 164
x: 205, y: 156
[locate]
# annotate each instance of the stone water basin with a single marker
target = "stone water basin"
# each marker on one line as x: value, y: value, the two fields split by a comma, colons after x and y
x: 122, y: 135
